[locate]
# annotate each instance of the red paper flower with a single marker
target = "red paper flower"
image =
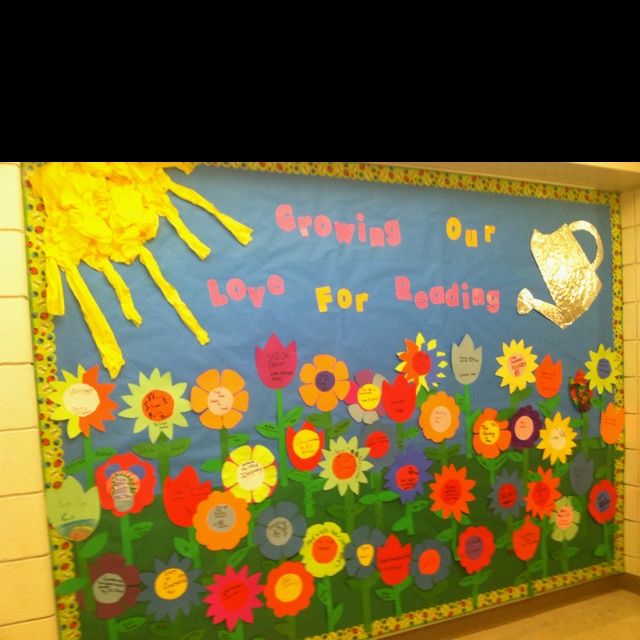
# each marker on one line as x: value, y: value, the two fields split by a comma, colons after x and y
x: 125, y: 484
x: 602, y: 501
x: 182, y: 496
x: 475, y: 548
x: 542, y: 495
x: 393, y: 561
x: 114, y: 585
x: 275, y: 363
x: 305, y: 446
x: 525, y: 540
x: 399, y: 399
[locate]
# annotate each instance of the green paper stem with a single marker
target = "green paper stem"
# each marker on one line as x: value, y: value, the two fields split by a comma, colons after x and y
x: 400, y: 435
x: 468, y: 424
x: 544, y: 552
x: 329, y: 603
x: 224, y: 446
x: 529, y: 579
x: 291, y: 620
x: 282, y: 443
x: 191, y: 536
x: 112, y: 629
x: 378, y: 512
x: 238, y: 632
x: 163, y: 457
x: 610, y: 462
x: 584, y: 434
x: 454, y: 538
x: 125, y: 538
x: 565, y: 559
x: 409, y: 515
x: 526, y: 455
x: 365, y: 595
x: 89, y: 460
x: 89, y: 602
x: 607, y: 541
x: 349, y: 518
x: 397, y: 601
x: 474, y: 592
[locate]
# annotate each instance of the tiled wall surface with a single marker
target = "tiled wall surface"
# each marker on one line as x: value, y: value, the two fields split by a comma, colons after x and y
x: 27, y: 608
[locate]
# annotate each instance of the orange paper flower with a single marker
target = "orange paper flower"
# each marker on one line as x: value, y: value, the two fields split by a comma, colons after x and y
x: 451, y: 492
x: 548, y: 377
x: 324, y: 382
x: 221, y: 521
x: 491, y: 436
x: 220, y: 398
x: 289, y: 589
x: 611, y: 423
x: 439, y: 417
x: 543, y: 493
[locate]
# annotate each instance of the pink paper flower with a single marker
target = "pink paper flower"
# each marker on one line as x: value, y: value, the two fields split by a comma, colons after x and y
x: 276, y: 364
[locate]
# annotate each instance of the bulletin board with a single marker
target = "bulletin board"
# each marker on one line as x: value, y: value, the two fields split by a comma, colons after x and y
x: 320, y: 400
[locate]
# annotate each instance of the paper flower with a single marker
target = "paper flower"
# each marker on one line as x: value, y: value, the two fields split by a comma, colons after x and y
x: 542, y: 494
x: 182, y: 496
x: 603, y: 369
x: 548, y: 377
x: 250, y: 473
x: 344, y: 465
x: 220, y: 398
x: 475, y: 548
x: 171, y: 588
x: 557, y: 440
x: 73, y: 512
x: 423, y: 368
x: 524, y: 425
x: 506, y: 499
x: 393, y: 561
x: 602, y: 501
x: 83, y: 401
x: 304, y: 446
x: 279, y: 531
x: 525, y: 540
x: 289, y: 589
x: 221, y: 521
x: 580, y: 473
x: 430, y: 564
x: 275, y: 363
x: 233, y: 597
x: 408, y: 474
x: 565, y: 519
x: 439, y: 417
x: 466, y: 360
x: 382, y: 447
x: 451, y: 492
x: 399, y: 399
x: 114, y: 584
x: 364, y: 400
x: 580, y: 392
x: 323, y: 549
x: 360, y: 553
x: 490, y: 435
x: 611, y: 423
x: 125, y: 484
x: 157, y: 404
x: 517, y: 365
x: 325, y: 382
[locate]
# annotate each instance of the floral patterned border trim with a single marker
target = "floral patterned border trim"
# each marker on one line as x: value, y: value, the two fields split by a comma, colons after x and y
x: 45, y: 370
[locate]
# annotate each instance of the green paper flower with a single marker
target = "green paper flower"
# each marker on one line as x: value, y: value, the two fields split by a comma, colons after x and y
x: 565, y: 519
x: 73, y: 512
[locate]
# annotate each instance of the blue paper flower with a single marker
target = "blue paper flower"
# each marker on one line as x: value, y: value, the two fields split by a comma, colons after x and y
x: 381, y: 444
x: 408, y: 474
x: 360, y: 553
x: 506, y: 497
x: 279, y: 531
x: 430, y: 563
x: 581, y: 474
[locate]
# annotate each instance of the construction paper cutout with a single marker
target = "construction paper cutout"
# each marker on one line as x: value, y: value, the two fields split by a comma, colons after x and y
x: 114, y: 585
x: 83, y: 401
x: 542, y: 494
x: 491, y: 436
x: 603, y: 369
x: 431, y: 563
x: 475, y: 548
x: 524, y: 425
x: 399, y: 398
x: 451, y: 492
x: 602, y: 501
x: 506, y: 498
x: 581, y: 473
x: 526, y: 539
x: 364, y: 400
x: 304, y: 446
x: 219, y: 398
x: 360, y: 553
x: 557, y: 440
x: 565, y: 519
x: 571, y: 279
x: 171, y: 588
x: 279, y: 531
x: 548, y: 377
x: 611, y: 423
x: 323, y: 549
x: 393, y: 561
x: 325, y: 382
x: 289, y: 589
x: 125, y: 484
x: 466, y: 360
x: 439, y: 417
x: 423, y: 368
x: 276, y: 364
x: 382, y: 448
x: 344, y: 465
x: 73, y: 512
x: 234, y: 596
x: 580, y: 392
x: 408, y: 474
x: 250, y: 473
x: 156, y: 404
x: 182, y: 496
x: 221, y: 521
x: 517, y: 365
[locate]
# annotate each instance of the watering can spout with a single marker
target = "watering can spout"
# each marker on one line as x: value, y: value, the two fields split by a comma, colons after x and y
x: 526, y: 303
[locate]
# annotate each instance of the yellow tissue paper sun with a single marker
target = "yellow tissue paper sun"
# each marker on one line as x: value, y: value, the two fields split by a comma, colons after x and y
x: 99, y: 212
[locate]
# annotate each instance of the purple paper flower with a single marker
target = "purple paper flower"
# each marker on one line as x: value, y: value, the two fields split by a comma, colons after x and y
x: 525, y: 425
x: 408, y: 474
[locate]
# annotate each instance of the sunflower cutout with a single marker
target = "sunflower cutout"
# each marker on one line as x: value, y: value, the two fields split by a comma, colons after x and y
x: 603, y: 369
x: 325, y: 382
x: 156, y: 404
x: 250, y: 473
x: 425, y: 367
x: 542, y: 494
x: 517, y: 365
x: 344, y: 465
x: 219, y: 398
x: 558, y: 439
x: 451, y: 492
x: 171, y: 588
x: 83, y: 401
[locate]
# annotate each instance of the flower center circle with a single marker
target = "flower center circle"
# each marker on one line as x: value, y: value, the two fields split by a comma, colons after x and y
x: 279, y: 531
x: 421, y: 363
x: 344, y: 465
x: 558, y: 439
x: 440, y: 419
x: 473, y: 547
x: 369, y: 396
x: 407, y: 477
x: 288, y: 587
x: 324, y: 549
x: 325, y: 380
x: 564, y: 517
x: 378, y: 444
x: 157, y: 405
x: 222, y: 518
x: 171, y: 584
x: 220, y: 401
x: 541, y: 493
x: 429, y: 562
x: 81, y: 399
x: 523, y: 428
x: 603, y: 501
x: 517, y: 365
x: 123, y: 486
x: 489, y: 432
x: 365, y: 553
x: 306, y: 443
x: 250, y: 475
x: 235, y: 596
x: 451, y: 491
x: 604, y: 368
x: 507, y: 495
x: 109, y: 588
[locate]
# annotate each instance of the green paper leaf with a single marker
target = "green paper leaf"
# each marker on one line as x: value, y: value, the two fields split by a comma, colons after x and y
x: 467, y: 581
x: 536, y: 565
x: 356, y: 585
x: 183, y: 547
x: 198, y: 634
x: 483, y: 576
x: 521, y: 578
x: 141, y: 529
x: 385, y: 594
x: 339, y: 429
x: 130, y: 624
x: 521, y: 395
x: 572, y: 551
x: 576, y: 423
x: 336, y: 614
x: 94, y: 545
x: 321, y: 420
x: 369, y: 498
x: 600, y: 551
x: 504, y: 414
x: 405, y: 584
x: 282, y: 628
x: 602, y: 471
x: 212, y: 465
x: 453, y: 450
x: 433, y: 454
x: 418, y: 505
x: 502, y: 541
x: 104, y: 453
x: 465, y: 519
x: 146, y: 450
x: 75, y: 466
x: 292, y: 417
x: 299, y: 476
x: 411, y: 433
x: 178, y: 446
x: 268, y: 430
x: 237, y: 557
x: 70, y: 586
x: 401, y: 524
x: 560, y: 469
x: 316, y: 485
x: 238, y: 439
x: 444, y: 536
x: 514, y: 456
x: 160, y: 629
x: 336, y: 510
x: 617, y: 454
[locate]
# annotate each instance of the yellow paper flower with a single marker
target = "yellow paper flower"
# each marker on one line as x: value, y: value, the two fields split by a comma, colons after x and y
x: 323, y: 549
x: 422, y: 367
x: 603, y: 369
x: 558, y: 439
x: 517, y: 365
x: 250, y: 473
x: 344, y: 464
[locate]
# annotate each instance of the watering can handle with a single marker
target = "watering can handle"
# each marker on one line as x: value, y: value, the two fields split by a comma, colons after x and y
x: 583, y: 225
